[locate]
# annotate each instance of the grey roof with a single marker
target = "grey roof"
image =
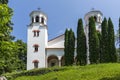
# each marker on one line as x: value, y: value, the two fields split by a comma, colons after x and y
x: 94, y: 11
x: 38, y: 11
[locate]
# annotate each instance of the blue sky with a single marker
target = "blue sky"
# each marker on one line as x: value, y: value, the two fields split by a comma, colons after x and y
x: 61, y: 14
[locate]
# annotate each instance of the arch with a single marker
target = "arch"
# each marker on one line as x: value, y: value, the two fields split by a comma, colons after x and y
x: 35, y: 47
x: 52, y: 60
x: 95, y: 18
x: 62, y: 61
x: 42, y: 20
x: 37, y: 19
x: 35, y: 61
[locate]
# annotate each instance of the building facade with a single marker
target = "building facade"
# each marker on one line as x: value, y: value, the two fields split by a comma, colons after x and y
x: 43, y: 53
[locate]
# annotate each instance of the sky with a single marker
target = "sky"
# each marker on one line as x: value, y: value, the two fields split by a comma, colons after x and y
x: 61, y: 14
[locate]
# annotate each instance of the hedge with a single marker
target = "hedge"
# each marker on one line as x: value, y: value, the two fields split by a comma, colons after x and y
x: 12, y: 76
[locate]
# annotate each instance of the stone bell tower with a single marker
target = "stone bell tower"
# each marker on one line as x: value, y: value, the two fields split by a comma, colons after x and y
x: 98, y: 20
x: 37, y: 38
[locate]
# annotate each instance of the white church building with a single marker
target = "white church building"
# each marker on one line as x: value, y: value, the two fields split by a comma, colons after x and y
x: 43, y: 53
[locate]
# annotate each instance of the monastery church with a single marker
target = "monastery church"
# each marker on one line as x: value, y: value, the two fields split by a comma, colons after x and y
x: 43, y: 53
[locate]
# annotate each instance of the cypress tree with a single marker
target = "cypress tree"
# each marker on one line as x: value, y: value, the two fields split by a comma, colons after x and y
x: 111, y: 42
x: 100, y: 45
x: 93, y: 42
x: 69, y: 47
x: 81, y: 44
x: 66, y: 49
x: 118, y: 38
x: 71, y: 43
x: 104, y: 52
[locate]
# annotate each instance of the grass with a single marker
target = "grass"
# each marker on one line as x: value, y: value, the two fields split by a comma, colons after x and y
x: 109, y: 71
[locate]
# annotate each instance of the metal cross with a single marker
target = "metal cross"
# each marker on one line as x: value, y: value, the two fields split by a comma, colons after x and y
x: 39, y: 8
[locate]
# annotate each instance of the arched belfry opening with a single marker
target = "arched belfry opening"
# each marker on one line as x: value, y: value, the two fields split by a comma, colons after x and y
x: 42, y: 20
x: 95, y: 18
x: 37, y: 19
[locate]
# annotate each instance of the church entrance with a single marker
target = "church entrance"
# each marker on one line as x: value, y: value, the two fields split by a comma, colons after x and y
x: 53, y: 61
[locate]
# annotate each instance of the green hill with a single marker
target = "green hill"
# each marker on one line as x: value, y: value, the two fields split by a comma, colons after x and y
x: 109, y: 71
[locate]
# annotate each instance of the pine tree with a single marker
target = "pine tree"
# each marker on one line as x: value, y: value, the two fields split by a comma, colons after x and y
x: 104, y: 53
x: 81, y: 44
x: 93, y: 42
x: 111, y: 42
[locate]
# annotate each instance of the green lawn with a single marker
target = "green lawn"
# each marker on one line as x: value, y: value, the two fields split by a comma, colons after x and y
x: 91, y: 72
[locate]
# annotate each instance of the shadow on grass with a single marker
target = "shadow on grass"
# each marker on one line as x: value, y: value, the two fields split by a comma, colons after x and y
x: 111, y: 78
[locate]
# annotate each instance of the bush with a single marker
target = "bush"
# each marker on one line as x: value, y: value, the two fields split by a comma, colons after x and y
x: 12, y: 76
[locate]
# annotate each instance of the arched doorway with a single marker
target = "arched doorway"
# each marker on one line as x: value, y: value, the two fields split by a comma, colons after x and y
x: 53, y: 61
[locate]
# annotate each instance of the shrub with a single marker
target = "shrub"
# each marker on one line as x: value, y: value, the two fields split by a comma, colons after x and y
x: 12, y: 76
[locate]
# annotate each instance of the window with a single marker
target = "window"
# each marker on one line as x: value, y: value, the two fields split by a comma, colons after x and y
x: 36, y: 47
x: 37, y: 19
x: 36, y: 33
x: 42, y: 20
x: 95, y: 18
x: 35, y: 63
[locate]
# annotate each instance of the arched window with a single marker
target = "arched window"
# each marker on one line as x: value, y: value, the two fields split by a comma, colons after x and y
x: 95, y: 18
x: 36, y: 47
x: 42, y: 20
x: 35, y: 63
x: 36, y: 33
x: 37, y: 19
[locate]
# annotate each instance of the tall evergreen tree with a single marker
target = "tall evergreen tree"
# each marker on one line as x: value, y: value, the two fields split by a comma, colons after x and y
x: 104, y: 32
x: 81, y: 44
x: 119, y: 35
x: 100, y: 45
x: 71, y: 45
x: 93, y: 42
x: 111, y: 42
x: 66, y: 49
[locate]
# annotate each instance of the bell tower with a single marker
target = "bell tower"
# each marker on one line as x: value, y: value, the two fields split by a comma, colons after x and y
x: 37, y: 38
x: 98, y: 20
